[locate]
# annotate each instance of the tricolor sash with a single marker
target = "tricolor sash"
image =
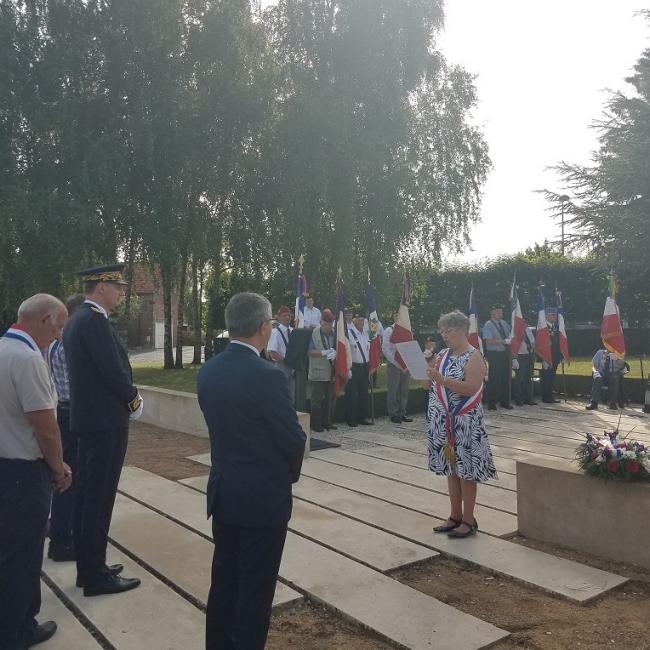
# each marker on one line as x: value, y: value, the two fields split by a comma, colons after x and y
x: 16, y: 332
x: 465, y: 405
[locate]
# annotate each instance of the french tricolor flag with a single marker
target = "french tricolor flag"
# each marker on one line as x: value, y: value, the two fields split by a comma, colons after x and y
x: 611, y: 331
x: 473, y: 336
x: 343, y: 362
x: 517, y: 323
x: 561, y: 327
x: 402, y: 329
x: 542, y: 335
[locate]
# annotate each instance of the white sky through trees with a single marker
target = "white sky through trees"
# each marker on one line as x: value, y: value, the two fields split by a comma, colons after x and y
x: 542, y: 74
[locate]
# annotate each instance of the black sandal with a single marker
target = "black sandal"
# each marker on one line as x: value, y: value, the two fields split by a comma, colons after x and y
x: 473, y: 528
x: 446, y: 529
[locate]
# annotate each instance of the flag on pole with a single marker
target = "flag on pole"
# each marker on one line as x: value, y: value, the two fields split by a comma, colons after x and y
x: 517, y: 322
x: 542, y: 335
x: 611, y: 331
x: 375, y: 330
x: 561, y: 327
x: 343, y: 362
x: 474, y: 338
x: 402, y: 329
x: 301, y: 292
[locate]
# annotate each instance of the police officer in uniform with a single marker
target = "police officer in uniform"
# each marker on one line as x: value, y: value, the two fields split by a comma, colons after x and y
x: 102, y: 400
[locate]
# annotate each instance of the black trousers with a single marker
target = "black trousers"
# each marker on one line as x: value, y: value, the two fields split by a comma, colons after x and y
x: 245, y: 568
x: 356, y: 394
x: 101, y: 456
x: 321, y: 397
x: 25, y: 495
x: 522, y: 384
x: 61, y: 517
x: 498, y: 377
x: 614, y: 385
x: 547, y: 380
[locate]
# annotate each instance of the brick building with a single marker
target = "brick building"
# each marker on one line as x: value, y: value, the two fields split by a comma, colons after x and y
x: 147, y: 326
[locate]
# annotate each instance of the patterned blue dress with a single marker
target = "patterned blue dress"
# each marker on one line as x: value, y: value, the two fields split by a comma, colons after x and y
x: 473, y: 454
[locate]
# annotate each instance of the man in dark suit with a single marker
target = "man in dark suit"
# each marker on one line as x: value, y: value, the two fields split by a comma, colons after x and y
x: 257, y: 450
x: 102, y: 400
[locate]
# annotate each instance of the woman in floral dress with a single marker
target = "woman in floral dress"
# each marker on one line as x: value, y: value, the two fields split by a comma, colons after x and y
x: 458, y: 446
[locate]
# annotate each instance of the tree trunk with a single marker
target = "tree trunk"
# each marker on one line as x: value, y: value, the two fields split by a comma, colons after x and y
x: 165, y: 275
x: 179, y: 318
x: 196, y: 312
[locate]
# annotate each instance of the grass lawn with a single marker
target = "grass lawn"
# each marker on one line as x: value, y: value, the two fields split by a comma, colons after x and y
x: 185, y: 380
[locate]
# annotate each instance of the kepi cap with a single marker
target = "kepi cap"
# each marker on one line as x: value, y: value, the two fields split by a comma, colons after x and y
x: 496, y: 305
x: 107, y: 273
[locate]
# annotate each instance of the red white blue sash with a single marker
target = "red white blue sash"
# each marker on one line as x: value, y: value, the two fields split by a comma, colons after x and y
x: 15, y: 332
x: 465, y: 405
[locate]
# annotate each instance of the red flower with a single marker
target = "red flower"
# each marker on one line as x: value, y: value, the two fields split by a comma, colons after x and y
x: 632, y: 466
x: 613, y: 466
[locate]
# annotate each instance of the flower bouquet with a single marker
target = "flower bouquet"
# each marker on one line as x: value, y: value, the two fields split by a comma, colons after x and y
x: 610, y: 457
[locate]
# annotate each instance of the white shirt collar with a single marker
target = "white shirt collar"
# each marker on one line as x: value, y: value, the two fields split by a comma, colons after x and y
x: 246, y: 345
x: 23, y: 334
x: 94, y: 304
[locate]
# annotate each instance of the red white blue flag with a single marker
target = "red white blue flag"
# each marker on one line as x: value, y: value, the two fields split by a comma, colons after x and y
x: 301, y: 292
x: 542, y: 334
x: 402, y: 329
x: 375, y: 330
x: 561, y: 327
x: 611, y: 330
x: 517, y: 324
x: 343, y: 362
x: 474, y: 338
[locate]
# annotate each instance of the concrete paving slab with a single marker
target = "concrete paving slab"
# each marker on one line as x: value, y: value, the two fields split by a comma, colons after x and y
x: 70, y: 634
x: 539, y: 449
x: 494, y: 522
x: 488, y: 495
x: 371, y: 546
x: 564, y: 578
x: 395, y: 611
x: 361, y: 594
x: 535, y: 437
x: 151, y: 616
x: 411, y: 459
x: 181, y: 556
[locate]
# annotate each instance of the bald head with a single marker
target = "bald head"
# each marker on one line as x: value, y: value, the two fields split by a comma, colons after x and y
x: 42, y: 316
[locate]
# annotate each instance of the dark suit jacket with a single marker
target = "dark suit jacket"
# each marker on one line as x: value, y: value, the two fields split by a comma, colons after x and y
x: 101, y: 382
x: 256, y: 442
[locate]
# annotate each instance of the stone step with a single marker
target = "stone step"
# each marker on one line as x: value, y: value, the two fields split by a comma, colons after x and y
x: 70, y: 633
x: 151, y: 616
x: 365, y: 544
x: 370, y: 598
x: 564, y: 578
x: 488, y: 495
x: 411, y: 459
x: 179, y: 555
x: 494, y: 522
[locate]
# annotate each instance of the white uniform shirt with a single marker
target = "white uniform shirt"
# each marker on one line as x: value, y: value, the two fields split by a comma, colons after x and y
x: 358, y: 340
x: 389, y: 348
x: 277, y: 343
x: 312, y: 317
x: 523, y: 348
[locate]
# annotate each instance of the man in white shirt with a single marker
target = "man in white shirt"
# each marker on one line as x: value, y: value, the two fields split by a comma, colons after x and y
x: 398, y: 380
x: 277, y: 347
x: 356, y: 390
x: 312, y: 314
x: 522, y: 384
x: 606, y: 370
x: 31, y: 465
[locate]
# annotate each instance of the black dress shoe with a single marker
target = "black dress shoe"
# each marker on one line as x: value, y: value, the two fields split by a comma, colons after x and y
x: 519, y: 403
x: 352, y: 424
x: 508, y: 407
x: 592, y: 406
x: 38, y: 634
x: 530, y: 403
x: 405, y: 419
x: 113, y: 569
x: 366, y: 422
x: 317, y: 429
x: 396, y: 420
x: 61, y: 553
x: 332, y: 427
x: 492, y: 407
x: 112, y: 585
x: 613, y: 406
x: 551, y: 401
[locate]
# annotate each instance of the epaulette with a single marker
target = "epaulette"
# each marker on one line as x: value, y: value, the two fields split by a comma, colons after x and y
x: 96, y: 310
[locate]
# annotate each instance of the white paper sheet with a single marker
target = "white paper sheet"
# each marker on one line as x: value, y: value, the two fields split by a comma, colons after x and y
x: 414, y: 359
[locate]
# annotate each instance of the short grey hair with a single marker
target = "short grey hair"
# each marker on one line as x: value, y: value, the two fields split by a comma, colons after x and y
x: 245, y: 312
x: 38, y: 306
x: 454, y: 319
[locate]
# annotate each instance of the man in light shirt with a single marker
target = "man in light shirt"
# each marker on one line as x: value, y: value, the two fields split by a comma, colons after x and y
x: 496, y: 336
x: 278, y: 343
x: 31, y: 465
x: 398, y: 380
x: 312, y: 314
x: 606, y: 370
x: 356, y: 390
